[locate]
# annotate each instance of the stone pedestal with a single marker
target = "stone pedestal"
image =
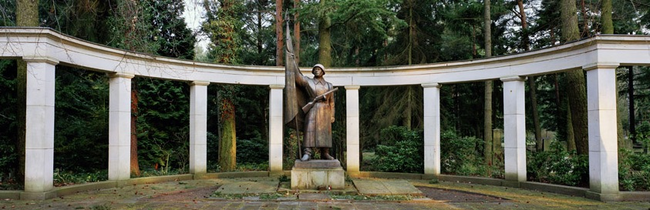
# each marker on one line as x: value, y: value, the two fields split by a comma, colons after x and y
x: 317, y: 174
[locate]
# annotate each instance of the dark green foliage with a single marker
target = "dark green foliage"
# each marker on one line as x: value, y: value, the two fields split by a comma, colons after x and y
x: 558, y: 166
x: 163, y: 123
x: 461, y: 155
x: 252, y: 151
x: 251, y: 103
x: 251, y: 111
x: 643, y: 135
x: 289, y: 149
x: 258, y: 37
x: 8, y: 156
x: 387, y: 106
x: 461, y: 106
x: 401, y: 151
x: 170, y: 31
x: 633, y: 171
x: 221, y: 27
x: 81, y: 125
x: 7, y: 15
x: 64, y: 178
x: 90, y: 21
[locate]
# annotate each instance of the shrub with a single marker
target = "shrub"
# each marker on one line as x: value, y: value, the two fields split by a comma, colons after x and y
x: 633, y: 171
x: 252, y: 151
x: 402, y: 152
x: 558, y: 166
x: 460, y: 155
x: 64, y: 178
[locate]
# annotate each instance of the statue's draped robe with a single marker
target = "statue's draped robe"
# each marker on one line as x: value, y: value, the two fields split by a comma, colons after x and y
x: 318, y: 120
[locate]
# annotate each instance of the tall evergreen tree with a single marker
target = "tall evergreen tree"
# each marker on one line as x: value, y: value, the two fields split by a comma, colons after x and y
x: 324, y: 36
x: 221, y: 26
x: 169, y: 29
x: 26, y: 15
x: 489, y: 87
x: 576, y: 92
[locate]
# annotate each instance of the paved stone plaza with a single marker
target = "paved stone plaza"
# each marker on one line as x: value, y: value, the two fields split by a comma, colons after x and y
x: 260, y: 193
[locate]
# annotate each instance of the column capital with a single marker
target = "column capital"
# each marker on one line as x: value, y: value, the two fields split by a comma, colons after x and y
x: 600, y: 65
x: 41, y: 59
x: 352, y: 87
x: 200, y: 83
x: 276, y: 86
x: 513, y: 78
x: 122, y: 75
x: 432, y: 85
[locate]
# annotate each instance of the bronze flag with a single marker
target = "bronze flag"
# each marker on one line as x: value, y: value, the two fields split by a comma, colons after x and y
x: 294, y: 98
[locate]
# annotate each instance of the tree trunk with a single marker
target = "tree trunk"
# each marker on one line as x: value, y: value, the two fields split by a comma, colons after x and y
x: 533, y: 102
x: 409, y: 108
x: 630, y: 95
x: 531, y: 79
x: 260, y: 43
x: 570, y: 135
x: 608, y: 28
x: 279, y: 50
x: 135, y: 167
x: 26, y: 15
x: 227, y: 134
x: 577, y: 95
x: 606, y: 15
x: 585, y: 20
x: 411, y: 27
x: 324, y: 39
x: 576, y: 88
x: 487, y: 117
x: 227, y: 143
x: 296, y: 32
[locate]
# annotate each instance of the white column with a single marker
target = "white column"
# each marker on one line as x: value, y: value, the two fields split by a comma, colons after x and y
x: 39, y: 129
x: 603, y: 148
x: 198, y: 127
x: 432, y: 128
x: 119, y: 127
x: 352, y: 128
x: 514, y: 128
x: 275, y: 129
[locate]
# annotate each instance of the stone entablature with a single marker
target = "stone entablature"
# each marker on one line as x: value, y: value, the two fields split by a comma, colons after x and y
x: 46, y: 43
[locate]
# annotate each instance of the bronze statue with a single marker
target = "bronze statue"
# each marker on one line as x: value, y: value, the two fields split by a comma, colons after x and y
x: 309, y: 106
x: 318, y: 119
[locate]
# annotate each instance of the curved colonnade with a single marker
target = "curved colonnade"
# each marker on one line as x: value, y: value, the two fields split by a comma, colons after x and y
x: 43, y: 49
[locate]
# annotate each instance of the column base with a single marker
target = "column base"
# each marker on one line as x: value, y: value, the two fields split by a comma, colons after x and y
x: 276, y: 173
x: 429, y: 176
x: 37, y: 195
x: 603, y: 196
x: 354, y: 174
x: 510, y: 183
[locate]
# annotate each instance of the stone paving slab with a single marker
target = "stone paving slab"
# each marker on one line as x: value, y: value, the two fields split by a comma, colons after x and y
x: 369, y: 187
x: 385, y: 187
x: 193, y: 194
x: 314, y: 196
x: 246, y: 187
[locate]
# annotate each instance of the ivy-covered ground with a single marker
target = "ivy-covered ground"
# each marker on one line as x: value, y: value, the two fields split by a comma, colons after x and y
x: 199, y: 194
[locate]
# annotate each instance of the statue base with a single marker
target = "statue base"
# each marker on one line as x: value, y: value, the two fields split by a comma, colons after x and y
x: 317, y: 175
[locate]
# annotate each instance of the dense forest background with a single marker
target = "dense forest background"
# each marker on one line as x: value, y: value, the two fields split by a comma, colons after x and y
x: 336, y: 33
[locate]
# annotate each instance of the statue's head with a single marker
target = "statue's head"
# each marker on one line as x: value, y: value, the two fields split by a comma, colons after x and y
x: 313, y: 70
